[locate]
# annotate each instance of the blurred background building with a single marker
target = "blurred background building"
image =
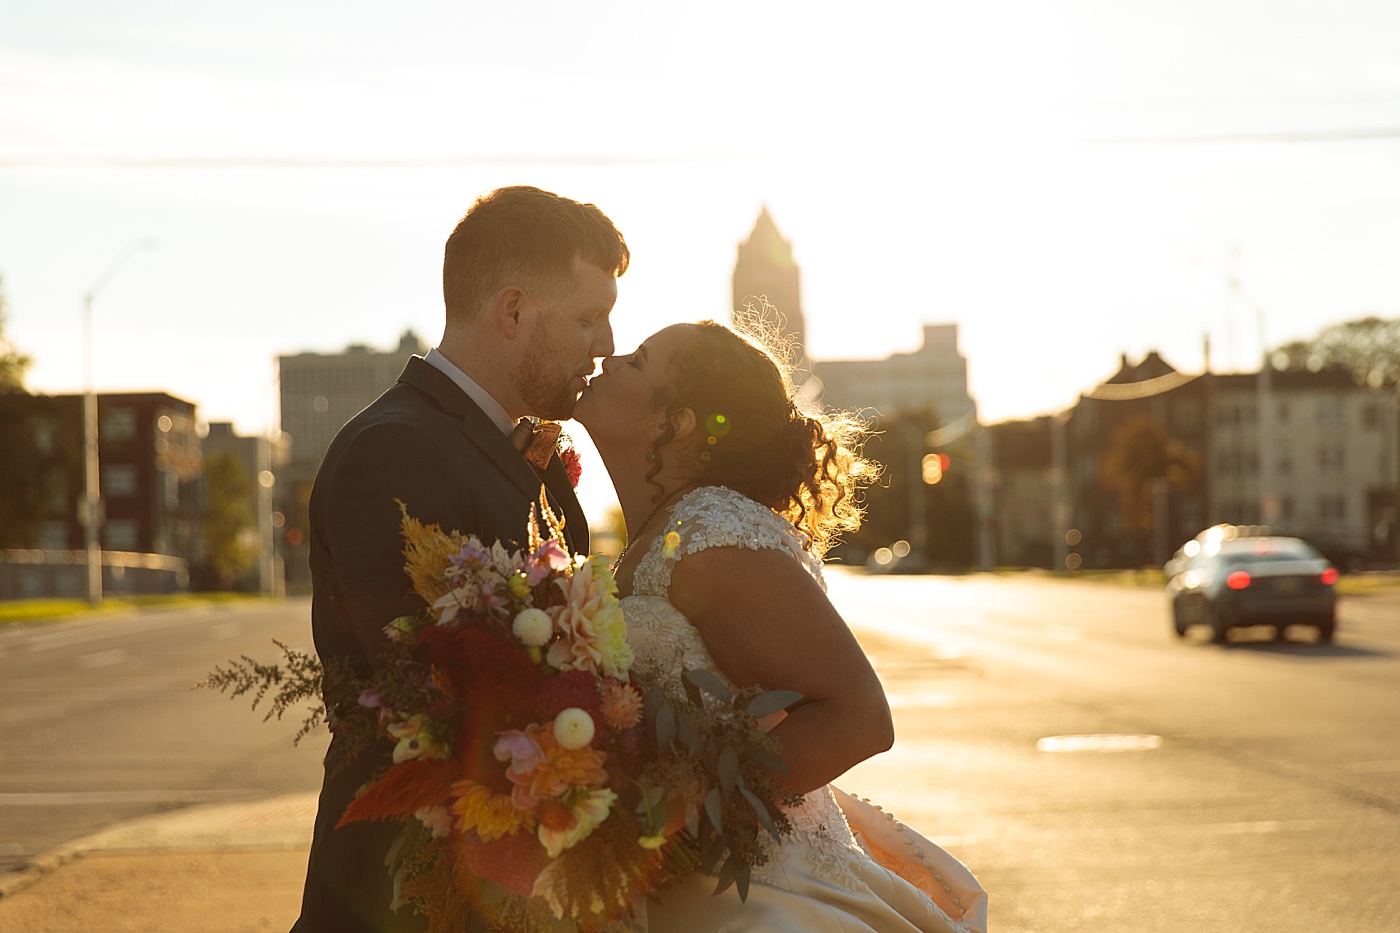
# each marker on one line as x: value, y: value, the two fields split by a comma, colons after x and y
x: 319, y: 393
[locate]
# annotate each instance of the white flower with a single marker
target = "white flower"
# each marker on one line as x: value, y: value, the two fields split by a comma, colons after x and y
x: 533, y: 627
x: 573, y: 728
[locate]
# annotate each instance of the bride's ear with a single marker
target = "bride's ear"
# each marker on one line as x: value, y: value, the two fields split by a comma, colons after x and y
x: 682, y: 423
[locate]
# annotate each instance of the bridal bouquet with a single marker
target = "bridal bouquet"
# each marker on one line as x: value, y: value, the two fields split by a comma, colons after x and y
x: 535, y: 780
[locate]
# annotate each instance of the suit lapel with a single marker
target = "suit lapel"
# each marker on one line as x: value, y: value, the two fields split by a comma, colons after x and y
x: 561, y: 497
x: 486, y: 435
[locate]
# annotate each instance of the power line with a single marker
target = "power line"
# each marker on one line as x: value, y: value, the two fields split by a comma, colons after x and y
x: 1354, y: 134
x: 349, y: 162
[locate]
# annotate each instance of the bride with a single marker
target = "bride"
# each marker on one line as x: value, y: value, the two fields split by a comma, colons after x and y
x: 731, y: 496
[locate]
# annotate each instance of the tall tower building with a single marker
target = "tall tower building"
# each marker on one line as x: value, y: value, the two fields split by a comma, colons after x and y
x: 765, y: 269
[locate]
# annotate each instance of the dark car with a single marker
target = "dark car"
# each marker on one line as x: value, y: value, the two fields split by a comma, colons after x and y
x: 1227, y: 580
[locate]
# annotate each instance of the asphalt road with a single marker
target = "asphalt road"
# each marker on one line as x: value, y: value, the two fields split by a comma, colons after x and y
x: 1250, y: 787
x: 1261, y: 791
x: 98, y: 722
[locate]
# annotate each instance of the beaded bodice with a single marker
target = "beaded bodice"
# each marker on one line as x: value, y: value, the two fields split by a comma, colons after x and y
x: 666, y: 644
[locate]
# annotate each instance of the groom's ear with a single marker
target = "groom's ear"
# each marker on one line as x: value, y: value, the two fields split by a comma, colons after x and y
x: 509, y: 303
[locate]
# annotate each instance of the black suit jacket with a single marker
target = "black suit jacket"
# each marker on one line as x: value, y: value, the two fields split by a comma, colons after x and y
x: 426, y: 443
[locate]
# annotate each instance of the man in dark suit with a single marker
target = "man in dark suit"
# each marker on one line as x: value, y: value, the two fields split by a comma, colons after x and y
x: 529, y: 281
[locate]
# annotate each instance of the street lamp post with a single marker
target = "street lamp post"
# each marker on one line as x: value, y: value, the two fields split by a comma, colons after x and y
x: 92, y: 496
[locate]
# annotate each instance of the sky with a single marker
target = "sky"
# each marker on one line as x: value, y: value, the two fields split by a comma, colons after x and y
x: 1066, y: 180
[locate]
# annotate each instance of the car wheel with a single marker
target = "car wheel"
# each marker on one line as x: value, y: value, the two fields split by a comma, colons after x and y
x: 1219, y: 625
x: 1281, y: 631
x: 1178, y: 623
x: 1326, y: 629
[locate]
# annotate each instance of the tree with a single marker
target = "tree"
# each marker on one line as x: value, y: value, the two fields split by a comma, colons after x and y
x: 228, y: 518
x: 13, y: 364
x: 20, y: 501
x: 1368, y: 348
x: 1141, y: 455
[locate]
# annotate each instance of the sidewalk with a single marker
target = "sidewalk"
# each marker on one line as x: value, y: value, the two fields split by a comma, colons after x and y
x: 223, y: 868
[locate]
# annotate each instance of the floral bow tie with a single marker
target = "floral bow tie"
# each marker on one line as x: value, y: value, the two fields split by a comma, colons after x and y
x: 537, y: 440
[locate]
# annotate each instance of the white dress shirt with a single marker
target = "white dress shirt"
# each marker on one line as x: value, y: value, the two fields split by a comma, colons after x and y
x: 494, y: 409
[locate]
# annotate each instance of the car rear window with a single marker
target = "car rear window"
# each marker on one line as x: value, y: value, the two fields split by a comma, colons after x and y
x: 1268, y: 549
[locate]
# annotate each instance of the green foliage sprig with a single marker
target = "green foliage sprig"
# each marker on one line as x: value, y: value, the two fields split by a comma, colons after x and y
x: 715, y: 740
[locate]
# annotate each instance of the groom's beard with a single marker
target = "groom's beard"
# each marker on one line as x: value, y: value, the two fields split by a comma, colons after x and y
x: 545, y: 386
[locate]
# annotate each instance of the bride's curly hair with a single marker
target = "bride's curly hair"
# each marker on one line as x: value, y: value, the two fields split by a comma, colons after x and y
x: 752, y: 437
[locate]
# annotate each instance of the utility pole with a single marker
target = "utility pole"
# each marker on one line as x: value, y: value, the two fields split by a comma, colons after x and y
x: 1264, y: 402
x: 92, y: 495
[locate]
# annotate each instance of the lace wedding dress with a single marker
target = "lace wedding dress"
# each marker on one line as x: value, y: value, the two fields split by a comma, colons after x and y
x: 847, y: 866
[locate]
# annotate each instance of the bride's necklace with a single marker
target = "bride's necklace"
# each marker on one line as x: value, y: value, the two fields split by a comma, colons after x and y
x: 631, y: 540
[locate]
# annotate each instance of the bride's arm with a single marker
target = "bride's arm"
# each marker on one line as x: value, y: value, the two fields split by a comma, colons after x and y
x: 767, y: 622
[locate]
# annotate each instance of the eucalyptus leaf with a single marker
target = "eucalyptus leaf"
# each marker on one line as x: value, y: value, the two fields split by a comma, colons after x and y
x: 652, y: 702
x: 692, y: 692
x: 687, y: 733
x: 726, y: 874
x: 765, y: 704
x: 773, y: 762
x: 741, y: 880
x: 728, y: 769
x: 713, y: 851
x: 714, y: 809
x: 710, y: 683
x: 665, y: 728
x: 758, y: 808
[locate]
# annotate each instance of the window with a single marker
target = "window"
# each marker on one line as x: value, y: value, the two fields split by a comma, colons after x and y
x: 1333, y: 508
x: 45, y: 435
x: 55, y: 491
x: 53, y: 536
x: 119, y: 424
x: 1329, y: 410
x: 119, y: 480
x: 121, y: 535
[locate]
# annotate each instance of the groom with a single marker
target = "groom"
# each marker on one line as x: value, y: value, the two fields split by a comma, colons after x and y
x: 529, y: 280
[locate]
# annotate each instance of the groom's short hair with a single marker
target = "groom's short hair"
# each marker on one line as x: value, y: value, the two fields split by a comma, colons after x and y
x: 524, y: 236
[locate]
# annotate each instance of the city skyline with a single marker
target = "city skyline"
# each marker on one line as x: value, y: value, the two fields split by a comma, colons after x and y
x: 1066, y: 182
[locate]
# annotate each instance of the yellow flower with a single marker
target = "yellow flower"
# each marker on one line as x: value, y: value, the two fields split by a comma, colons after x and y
x: 414, y: 740
x: 651, y: 842
x: 589, y: 810
x: 594, y: 632
x: 492, y: 815
x: 518, y: 585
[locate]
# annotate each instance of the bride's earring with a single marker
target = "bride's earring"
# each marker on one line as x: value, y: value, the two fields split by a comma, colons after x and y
x: 651, y: 455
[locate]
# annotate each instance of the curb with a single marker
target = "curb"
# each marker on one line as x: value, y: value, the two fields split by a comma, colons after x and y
x: 272, y: 824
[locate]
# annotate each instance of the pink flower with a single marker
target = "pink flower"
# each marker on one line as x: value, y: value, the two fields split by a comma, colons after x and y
x: 547, y: 558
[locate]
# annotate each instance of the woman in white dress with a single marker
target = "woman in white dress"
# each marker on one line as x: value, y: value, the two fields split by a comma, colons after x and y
x: 730, y: 496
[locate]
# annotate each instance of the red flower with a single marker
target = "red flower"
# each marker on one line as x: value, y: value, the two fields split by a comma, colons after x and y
x: 404, y: 789
x: 573, y: 466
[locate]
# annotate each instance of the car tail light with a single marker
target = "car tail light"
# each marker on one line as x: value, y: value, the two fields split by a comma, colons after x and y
x: 1329, y: 576
x: 1237, y: 580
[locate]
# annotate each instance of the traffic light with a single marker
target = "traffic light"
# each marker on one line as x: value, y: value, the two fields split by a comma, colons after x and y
x: 934, y: 466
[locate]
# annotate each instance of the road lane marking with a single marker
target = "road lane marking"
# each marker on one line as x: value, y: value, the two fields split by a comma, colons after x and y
x: 1064, y: 632
x: 225, y: 630
x: 1263, y: 826
x: 1107, y: 742
x: 108, y: 797
x: 102, y: 658
x: 1374, y: 767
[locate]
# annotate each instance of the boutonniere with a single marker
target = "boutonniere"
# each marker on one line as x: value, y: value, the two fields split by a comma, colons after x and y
x: 548, y: 440
x: 573, y: 466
